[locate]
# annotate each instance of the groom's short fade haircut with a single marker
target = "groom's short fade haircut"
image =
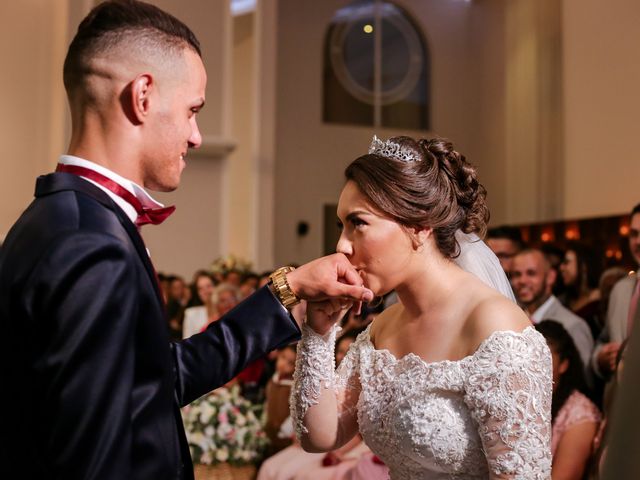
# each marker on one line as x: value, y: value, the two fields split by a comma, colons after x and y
x: 116, y: 23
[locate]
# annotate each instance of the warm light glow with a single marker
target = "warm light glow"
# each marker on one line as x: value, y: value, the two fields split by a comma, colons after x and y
x: 624, y: 230
x: 572, y: 231
x: 367, y: 28
x: 548, y: 235
x: 618, y: 255
x: 609, y: 253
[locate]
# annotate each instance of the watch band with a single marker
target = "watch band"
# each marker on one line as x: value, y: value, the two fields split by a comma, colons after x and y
x: 282, y: 288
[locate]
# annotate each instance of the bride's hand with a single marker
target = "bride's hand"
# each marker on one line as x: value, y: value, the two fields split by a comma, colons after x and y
x: 321, y: 316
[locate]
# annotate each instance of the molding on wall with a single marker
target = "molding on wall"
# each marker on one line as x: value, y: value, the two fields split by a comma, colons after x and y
x: 214, y: 147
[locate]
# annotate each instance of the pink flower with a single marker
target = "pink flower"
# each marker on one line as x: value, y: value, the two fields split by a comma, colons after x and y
x: 223, y: 418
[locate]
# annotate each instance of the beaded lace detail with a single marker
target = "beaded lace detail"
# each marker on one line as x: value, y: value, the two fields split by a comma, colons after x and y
x: 315, y: 366
x: 487, y: 415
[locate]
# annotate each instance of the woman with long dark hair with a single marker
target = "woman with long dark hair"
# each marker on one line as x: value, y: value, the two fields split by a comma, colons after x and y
x: 580, y: 270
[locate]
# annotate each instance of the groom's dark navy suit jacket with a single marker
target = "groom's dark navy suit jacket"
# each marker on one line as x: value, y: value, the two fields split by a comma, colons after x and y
x: 91, y: 386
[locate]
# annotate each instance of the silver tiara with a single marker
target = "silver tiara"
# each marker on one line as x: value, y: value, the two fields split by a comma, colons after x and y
x: 392, y: 150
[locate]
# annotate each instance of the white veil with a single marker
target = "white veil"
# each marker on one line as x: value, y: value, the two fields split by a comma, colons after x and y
x: 477, y: 258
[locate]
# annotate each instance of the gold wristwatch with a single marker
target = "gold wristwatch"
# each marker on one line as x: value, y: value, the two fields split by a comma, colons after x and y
x: 282, y: 289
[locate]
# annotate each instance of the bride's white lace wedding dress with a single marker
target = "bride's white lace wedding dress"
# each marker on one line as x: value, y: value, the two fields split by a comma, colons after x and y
x: 485, y: 416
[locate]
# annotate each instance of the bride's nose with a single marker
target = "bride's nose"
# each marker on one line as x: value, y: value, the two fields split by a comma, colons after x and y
x: 344, y: 245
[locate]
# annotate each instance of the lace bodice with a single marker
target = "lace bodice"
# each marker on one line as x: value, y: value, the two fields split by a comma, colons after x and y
x: 489, y: 412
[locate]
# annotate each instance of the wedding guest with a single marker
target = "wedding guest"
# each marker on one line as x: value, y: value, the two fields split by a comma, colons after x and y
x: 532, y: 279
x: 621, y: 309
x: 177, y: 299
x: 581, y: 269
x: 554, y: 255
x: 505, y: 241
x: 221, y: 300
x: 177, y: 290
x: 234, y: 277
x: 575, y: 418
x: 368, y: 467
x: 277, y: 399
x: 202, y: 287
x: 251, y: 280
x: 608, y: 279
x: 603, y: 436
x: 197, y: 316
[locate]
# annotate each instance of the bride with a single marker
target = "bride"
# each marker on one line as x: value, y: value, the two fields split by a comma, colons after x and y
x: 452, y: 381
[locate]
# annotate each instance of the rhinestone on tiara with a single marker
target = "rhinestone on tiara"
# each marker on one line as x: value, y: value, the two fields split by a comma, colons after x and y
x: 391, y: 150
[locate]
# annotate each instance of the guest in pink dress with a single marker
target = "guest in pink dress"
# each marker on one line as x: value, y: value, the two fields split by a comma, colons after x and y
x: 368, y: 467
x: 575, y: 418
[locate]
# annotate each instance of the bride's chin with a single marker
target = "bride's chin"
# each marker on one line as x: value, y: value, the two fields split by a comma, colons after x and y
x: 379, y: 288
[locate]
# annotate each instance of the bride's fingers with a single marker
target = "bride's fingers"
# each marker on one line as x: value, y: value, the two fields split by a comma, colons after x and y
x: 341, y: 305
x: 346, y: 304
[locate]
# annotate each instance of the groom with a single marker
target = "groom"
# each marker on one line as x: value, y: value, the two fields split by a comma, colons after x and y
x: 91, y: 385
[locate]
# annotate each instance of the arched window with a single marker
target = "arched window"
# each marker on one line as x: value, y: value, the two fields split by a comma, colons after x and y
x: 376, y: 68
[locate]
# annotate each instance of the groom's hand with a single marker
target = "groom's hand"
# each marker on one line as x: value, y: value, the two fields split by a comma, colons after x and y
x: 328, y: 277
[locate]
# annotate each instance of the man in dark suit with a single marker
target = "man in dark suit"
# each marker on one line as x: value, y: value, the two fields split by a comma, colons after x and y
x: 91, y: 384
x: 622, y: 453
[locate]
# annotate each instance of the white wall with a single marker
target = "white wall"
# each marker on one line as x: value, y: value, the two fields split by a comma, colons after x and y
x: 601, y: 106
x: 32, y: 48
x: 241, y: 178
x: 197, y: 232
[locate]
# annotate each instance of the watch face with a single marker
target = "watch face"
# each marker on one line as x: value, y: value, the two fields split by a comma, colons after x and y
x: 375, y: 58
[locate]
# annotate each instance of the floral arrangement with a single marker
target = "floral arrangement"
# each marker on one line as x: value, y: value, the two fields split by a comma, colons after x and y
x: 230, y: 262
x: 223, y: 427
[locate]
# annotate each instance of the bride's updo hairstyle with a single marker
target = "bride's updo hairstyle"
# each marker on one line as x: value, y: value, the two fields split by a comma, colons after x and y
x: 423, y: 183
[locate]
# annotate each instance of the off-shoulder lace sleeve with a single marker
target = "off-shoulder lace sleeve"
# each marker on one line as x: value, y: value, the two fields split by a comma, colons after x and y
x: 508, y: 391
x: 315, y: 370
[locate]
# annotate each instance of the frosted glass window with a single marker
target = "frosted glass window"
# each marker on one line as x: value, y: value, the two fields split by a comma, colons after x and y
x: 376, y: 68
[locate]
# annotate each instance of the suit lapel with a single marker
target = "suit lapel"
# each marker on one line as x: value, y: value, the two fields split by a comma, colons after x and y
x: 57, y: 182
x: 138, y: 242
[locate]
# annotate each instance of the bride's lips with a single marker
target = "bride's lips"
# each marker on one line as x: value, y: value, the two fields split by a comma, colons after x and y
x: 363, y: 276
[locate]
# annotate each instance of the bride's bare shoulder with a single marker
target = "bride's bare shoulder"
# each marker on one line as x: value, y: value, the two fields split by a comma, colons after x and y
x: 494, y: 313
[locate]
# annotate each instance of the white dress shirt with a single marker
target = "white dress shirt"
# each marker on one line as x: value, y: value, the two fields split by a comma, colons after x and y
x: 132, y: 187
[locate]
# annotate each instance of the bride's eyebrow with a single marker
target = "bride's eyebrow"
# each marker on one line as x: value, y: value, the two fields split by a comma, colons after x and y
x: 355, y: 214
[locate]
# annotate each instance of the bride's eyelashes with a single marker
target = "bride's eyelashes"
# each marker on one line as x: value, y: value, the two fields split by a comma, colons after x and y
x: 354, y: 221
x: 358, y: 222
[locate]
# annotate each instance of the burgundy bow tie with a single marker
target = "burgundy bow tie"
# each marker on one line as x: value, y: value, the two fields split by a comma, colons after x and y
x: 146, y: 215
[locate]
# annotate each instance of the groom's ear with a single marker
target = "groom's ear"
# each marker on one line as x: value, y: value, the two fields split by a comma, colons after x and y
x: 139, y: 93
